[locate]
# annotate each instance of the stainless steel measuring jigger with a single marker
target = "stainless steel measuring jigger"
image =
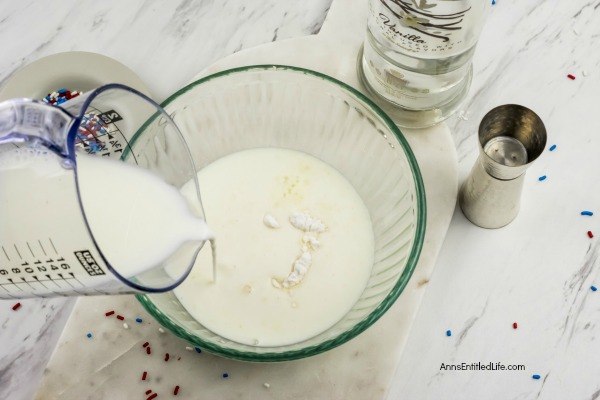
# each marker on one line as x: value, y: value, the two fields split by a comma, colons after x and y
x: 511, y: 138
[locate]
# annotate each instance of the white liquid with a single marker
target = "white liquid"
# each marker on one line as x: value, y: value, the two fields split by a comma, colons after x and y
x: 244, y: 305
x: 137, y: 219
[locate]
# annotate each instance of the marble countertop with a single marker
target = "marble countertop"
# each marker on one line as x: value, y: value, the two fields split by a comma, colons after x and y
x: 537, y: 271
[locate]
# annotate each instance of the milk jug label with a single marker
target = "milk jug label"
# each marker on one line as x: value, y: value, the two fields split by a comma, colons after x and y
x: 88, y: 262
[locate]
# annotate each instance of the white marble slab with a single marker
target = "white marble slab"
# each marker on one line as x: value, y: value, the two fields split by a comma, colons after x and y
x: 358, y: 370
x: 27, y: 337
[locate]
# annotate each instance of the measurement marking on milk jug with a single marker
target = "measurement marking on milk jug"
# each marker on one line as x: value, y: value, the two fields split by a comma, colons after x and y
x: 25, y: 280
x: 12, y: 283
x: 78, y: 281
x: 18, y: 253
x: 29, y: 273
x: 40, y: 282
x: 42, y: 247
x: 99, y: 134
x: 5, y: 253
x: 53, y: 246
x: 29, y: 247
x: 67, y: 282
x: 52, y: 280
x: 8, y: 293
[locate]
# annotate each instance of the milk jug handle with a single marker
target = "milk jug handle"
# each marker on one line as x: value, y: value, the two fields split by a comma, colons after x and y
x: 33, y: 123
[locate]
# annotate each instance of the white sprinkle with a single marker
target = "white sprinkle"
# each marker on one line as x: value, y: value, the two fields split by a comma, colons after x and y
x: 275, y: 283
x: 463, y: 115
x: 125, y: 325
x: 575, y: 31
x: 311, y: 241
x: 270, y: 221
x: 161, y: 330
x: 188, y: 348
x: 306, y: 223
x: 303, y: 222
x: 585, y: 73
x: 292, y: 280
x: 300, y: 268
x: 266, y: 385
x: 302, y: 263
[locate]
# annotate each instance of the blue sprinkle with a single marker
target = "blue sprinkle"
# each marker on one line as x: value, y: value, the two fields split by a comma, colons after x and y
x: 138, y: 320
x: 493, y: 2
x: 594, y: 288
x: 542, y: 178
x: 95, y: 147
x: 225, y: 375
x: 448, y: 332
x: 198, y: 349
x: 62, y: 90
x: 535, y: 376
x: 89, y: 335
x: 553, y: 147
x: 587, y: 213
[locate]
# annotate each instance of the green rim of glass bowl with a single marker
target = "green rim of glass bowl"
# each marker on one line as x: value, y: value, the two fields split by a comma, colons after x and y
x: 165, y: 321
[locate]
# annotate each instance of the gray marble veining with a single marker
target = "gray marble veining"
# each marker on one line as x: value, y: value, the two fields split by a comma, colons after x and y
x: 537, y: 271
x: 27, y: 337
x: 165, y: 42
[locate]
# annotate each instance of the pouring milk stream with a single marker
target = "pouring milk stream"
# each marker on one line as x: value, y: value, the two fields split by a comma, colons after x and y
x: 76, y: 223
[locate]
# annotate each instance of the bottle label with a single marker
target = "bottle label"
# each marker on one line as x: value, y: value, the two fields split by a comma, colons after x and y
x: 421, y: 26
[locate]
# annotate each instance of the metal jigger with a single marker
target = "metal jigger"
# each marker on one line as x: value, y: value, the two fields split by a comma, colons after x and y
x: 511, y: 138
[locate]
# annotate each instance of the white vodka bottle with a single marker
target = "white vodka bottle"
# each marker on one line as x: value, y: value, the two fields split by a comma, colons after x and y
x: 416, y: 58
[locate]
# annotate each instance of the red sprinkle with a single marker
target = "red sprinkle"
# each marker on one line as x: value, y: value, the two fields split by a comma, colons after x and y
x: 144, y: 376
x: 109, y: 313
x: 166, y: 356
x: 120, y: 317
x: 571, y: 77
x: 515, y: 325
x: 176, y: 390
x: 16, y: 306
x: 148, y: 350
x: 145, y: 344
x: 148, y: 392
x: 153, y: 396
x: 590, y: 234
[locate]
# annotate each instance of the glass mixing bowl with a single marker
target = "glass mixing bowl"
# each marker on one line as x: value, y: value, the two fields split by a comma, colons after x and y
x: 299, y: 109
